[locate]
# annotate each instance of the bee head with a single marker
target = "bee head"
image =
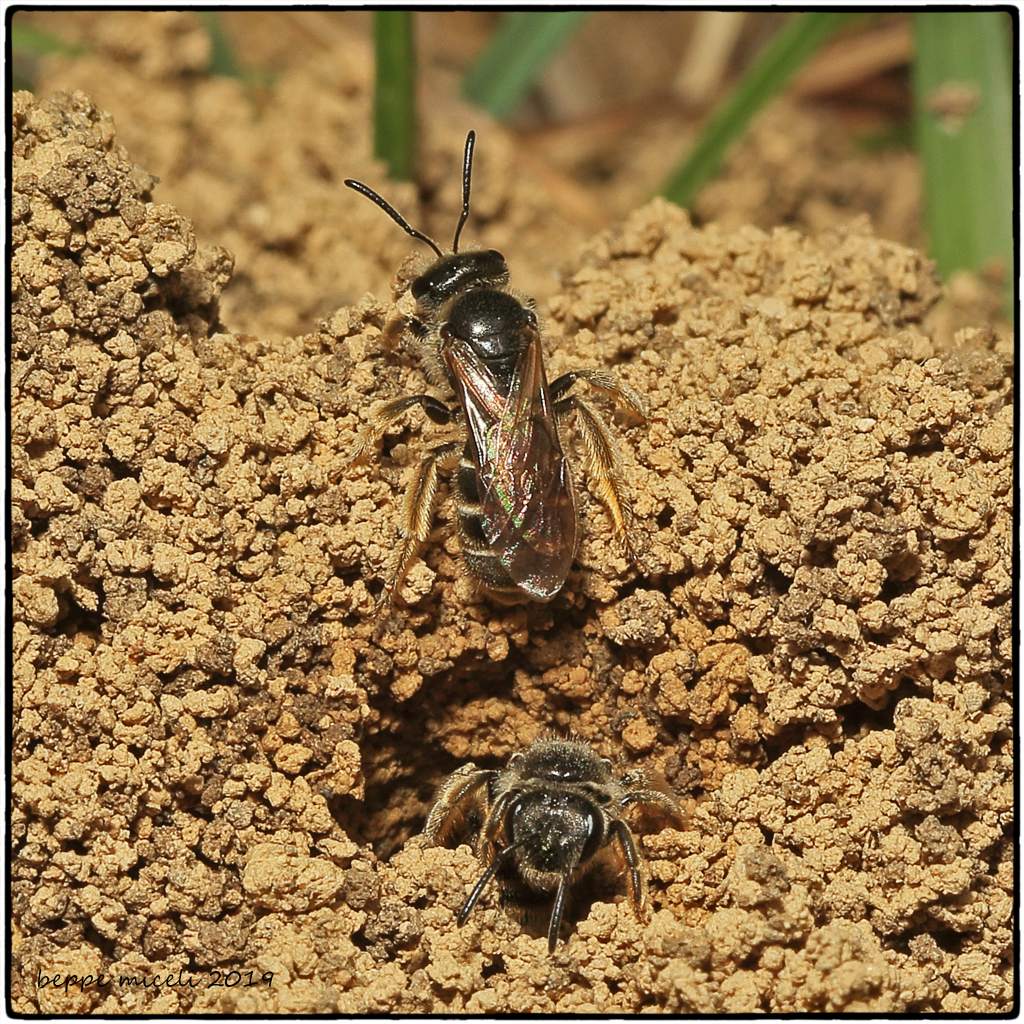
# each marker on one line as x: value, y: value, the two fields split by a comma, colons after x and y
x: 555, y: 831
x: 458, y: 272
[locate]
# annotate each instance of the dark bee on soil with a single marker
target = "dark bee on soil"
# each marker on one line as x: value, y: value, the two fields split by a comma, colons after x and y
x: 546, y: 821
x: 515, y: 508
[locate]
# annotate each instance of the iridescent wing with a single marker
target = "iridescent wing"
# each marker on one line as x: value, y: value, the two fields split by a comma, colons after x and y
x: 526, y: 497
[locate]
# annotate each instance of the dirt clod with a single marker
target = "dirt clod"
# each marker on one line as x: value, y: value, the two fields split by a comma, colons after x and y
x: 221, y: 757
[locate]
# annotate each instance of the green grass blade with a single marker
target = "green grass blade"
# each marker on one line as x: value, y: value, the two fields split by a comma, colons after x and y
x: 516, y: 55
x: 394, y: 98
x: 26, y: 40
x: 786, y: 54
x: 28, y: 44
x: 964, y: 121
x: 222, y: 54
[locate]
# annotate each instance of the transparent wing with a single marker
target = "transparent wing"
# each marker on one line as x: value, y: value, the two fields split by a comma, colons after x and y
x: 526, y: 497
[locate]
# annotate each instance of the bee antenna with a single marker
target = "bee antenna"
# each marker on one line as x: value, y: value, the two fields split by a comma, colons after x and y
x: 467, y: 174
x: 365, y: 190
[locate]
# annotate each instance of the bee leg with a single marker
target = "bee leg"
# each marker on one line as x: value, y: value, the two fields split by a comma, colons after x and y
x: 493, y: 822
x: 498, y: 814
x: 387, y: 413
x: 637, y: 883
x: 653, y: 798
x: 400, y: 325
x: 456, y: 790
x: 604, y: 383
x: 604, y: 467
x: 417, y: 514
x: 399, y: 331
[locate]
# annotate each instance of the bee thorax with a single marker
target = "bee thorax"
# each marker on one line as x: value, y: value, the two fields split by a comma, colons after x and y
x: 493, y: 322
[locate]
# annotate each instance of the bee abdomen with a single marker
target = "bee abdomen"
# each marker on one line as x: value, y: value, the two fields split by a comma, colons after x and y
x: 480, y: 558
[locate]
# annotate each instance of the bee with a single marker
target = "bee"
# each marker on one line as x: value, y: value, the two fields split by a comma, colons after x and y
x: 548, y: 818
x: 515, y: 508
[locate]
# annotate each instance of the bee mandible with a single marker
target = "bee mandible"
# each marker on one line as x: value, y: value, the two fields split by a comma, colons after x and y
x: 515, y: 508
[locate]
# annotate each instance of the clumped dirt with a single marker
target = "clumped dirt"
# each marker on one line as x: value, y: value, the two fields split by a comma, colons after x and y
x: 265, y: 178
x: 259, y: 168
x: 222, y: 758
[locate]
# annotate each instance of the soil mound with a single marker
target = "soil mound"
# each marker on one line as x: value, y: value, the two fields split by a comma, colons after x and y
x: 222, y: 758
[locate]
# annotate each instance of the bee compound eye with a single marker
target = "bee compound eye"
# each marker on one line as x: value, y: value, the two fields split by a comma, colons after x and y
x: 493, y: 263
x: 514, y: 822
x: 593, y: 839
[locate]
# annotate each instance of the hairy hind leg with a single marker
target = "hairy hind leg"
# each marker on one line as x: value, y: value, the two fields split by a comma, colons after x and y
x: 387, y: 413
x: 456, y: 791
x: 418, y: 509
x: 604, y: 467
x: 604, y: 383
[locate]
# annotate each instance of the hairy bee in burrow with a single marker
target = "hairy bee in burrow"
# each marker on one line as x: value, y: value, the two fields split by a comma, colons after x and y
x: 546, y: 821
x: 515, y: 507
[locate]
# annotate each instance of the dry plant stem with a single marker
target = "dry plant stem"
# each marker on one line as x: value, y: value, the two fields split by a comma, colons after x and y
x: 856, y: 58
x: 705, y: 65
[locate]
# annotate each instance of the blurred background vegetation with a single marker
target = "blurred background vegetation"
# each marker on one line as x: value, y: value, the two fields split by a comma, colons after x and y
x: 937, y: 83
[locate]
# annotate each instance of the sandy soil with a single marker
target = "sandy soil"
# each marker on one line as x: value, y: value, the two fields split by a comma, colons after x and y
x: 222, y: 760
